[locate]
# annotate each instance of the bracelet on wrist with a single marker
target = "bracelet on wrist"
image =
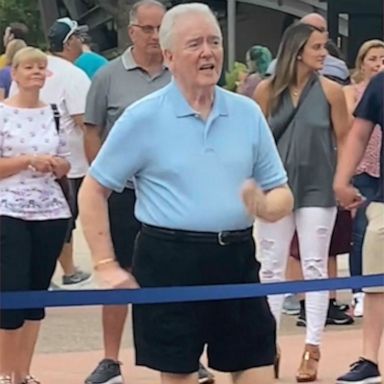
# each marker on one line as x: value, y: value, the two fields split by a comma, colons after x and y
x: 100, y: 263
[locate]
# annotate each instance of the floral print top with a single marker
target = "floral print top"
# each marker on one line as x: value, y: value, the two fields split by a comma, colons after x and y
x: 31, y: 195
x: 370, y: 163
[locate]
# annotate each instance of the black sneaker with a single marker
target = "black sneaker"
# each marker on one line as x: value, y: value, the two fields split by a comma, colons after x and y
x: 107, y: 372
x: 362, y: 372
x: 301, y: 319
x: 205, y: 377
x: 336, y: 316
x: 341, y: 306
x: 79, y: 277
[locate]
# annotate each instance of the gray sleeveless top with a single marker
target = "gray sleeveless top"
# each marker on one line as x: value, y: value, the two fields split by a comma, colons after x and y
x: 304, y: 138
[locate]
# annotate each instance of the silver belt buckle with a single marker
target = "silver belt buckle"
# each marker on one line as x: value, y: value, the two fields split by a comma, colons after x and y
x: 220, y: 239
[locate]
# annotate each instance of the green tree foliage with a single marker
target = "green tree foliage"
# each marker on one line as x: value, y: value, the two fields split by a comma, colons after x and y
x: 233, y: 77
x: 24, y: 11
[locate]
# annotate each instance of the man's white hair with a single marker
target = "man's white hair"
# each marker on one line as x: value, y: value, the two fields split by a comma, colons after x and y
x: 181, y: 11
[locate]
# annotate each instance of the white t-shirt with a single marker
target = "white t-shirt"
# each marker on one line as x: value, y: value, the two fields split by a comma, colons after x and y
x: 67, y: 86
x: 28, y: 194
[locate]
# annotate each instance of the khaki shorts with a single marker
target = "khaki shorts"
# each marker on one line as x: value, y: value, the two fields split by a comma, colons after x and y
x: 373, y: 247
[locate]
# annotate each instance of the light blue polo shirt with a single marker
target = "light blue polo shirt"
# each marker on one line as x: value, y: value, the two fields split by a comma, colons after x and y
x: 188, y: 172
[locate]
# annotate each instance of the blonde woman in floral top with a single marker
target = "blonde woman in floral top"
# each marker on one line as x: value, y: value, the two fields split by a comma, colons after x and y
x: 369, y: 61
x: 33, y: 210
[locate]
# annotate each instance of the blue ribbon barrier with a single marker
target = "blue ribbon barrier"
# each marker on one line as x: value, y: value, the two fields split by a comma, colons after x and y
x: 38, y: 299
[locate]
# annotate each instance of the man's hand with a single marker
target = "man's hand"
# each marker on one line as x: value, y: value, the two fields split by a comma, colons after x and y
x: 348, y: 196
x: 112, y: 276
x: 253, y: 198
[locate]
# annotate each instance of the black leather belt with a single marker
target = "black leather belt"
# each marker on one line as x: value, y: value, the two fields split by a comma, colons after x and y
x: 222, y: 238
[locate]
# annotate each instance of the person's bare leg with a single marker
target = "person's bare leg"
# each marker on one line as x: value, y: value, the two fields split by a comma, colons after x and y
x: 294, y: 272
x: 27, y: 343
x: 66, y: 259
x: 9, y: 352
x: 332, y: 273
x: 261, y: 375
x: 171, y: 378
x: 114, y: 317
x: 373, y: 324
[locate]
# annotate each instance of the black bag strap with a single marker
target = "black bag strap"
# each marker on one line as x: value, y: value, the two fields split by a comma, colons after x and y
x: 56, y: 116
x: 307, y: 88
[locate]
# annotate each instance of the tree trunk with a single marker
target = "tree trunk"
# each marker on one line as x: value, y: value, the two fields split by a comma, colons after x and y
x: 119, y: 9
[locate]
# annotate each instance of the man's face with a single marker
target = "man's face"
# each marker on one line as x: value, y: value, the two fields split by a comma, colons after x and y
x: 196, y: 56
x: 144, y: 32
x: 74, y: 46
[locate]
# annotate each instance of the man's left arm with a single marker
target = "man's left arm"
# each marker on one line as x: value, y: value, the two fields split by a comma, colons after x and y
x: 350, y: 158
x: 367, y: 114
x: 268, y: 195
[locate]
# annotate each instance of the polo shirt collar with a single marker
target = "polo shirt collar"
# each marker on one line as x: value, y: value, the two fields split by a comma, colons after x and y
x: 183, y: 109
x: 129, y: 62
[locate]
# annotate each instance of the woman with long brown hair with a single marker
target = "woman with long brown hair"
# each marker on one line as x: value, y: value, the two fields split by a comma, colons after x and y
x: 308, y: 117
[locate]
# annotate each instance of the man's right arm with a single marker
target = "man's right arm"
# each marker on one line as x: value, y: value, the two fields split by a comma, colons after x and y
x: 268, y: 195
x: 110, y: 172
x: 95, y: 114
x: 92, y: 141
x: 94, y: 219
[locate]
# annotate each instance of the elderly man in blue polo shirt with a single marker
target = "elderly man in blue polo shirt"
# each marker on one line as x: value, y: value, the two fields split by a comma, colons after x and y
x: 204, y: 165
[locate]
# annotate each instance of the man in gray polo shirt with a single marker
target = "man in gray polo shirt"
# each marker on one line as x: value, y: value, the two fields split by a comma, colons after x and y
x: 136, y: 73
x: 133, y: 75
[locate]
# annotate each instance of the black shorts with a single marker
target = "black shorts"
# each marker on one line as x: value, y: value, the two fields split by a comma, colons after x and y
x: 124, y: 226
x: 74, y: 187
x: 239, y: 334
x: 28, y: 254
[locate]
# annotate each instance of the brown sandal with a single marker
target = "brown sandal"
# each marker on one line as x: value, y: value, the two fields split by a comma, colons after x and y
x: 5, y: 380
x: 30, y: 380
x: 309, y: 364
x: 276, y: 363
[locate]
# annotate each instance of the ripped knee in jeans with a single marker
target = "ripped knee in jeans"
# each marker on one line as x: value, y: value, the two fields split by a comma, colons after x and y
x: 271, y: 261
x: 314, y: 268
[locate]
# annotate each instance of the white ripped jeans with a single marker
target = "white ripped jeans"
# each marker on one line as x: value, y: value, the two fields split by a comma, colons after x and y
x: 314, y: 228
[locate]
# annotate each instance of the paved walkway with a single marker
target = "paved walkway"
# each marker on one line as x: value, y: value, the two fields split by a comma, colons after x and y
x: 339, y: 349
x: 70, y: 343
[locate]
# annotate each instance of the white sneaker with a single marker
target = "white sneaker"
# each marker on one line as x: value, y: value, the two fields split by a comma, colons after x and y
x: 358, y: 303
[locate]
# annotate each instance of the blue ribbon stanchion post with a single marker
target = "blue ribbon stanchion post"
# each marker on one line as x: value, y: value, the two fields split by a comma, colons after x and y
x: 38, y: 299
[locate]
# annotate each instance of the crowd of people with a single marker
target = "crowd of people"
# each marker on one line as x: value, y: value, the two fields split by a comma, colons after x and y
x: 132, y: 146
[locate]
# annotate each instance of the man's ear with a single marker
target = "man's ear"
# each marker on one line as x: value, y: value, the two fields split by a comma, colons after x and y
x: 168, y: 57
x: 130, y: 31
